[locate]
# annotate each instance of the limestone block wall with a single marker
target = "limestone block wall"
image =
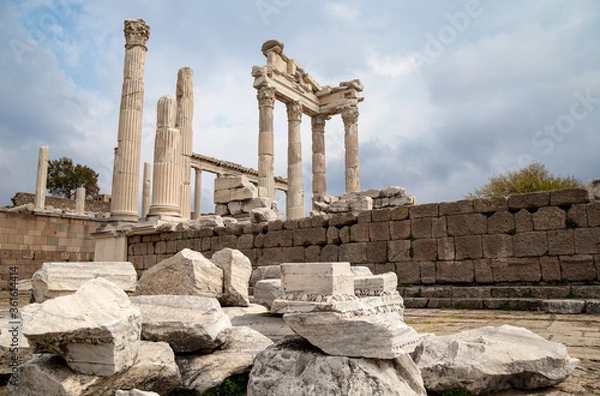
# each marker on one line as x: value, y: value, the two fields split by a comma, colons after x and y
x: 27, y: 240
x: 22, y: 198
x: 527, y: 238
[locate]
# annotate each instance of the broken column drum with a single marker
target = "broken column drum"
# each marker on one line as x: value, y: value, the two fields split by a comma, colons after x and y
x: 167, y: 173
x: 124, y: 204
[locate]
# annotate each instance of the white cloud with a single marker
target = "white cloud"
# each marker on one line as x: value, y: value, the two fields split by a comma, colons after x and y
x: 345, y: 12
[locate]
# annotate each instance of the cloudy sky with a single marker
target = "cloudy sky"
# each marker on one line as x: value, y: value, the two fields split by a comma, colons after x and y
x: 455, y: 91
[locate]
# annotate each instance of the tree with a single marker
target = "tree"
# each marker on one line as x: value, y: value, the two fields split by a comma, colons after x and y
x: 64, y: 178
x: 534, y: 177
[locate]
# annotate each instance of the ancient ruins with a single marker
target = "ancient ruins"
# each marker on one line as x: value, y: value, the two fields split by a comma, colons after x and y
x: 177, y: 301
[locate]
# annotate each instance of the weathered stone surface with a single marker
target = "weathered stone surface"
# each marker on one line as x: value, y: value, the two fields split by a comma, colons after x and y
x: 186, y: 273
x: 294, y: 367
x: 59, y: 279
x: 563, y: 306
x: 262, y: 215
x: 186, y: 323
x: 96, y: 330
x: 369, y: 327
x: 549, y: 218
x: 569, y: 196
x: 135, y: 392
x: 202, y: 372
x: 593, y: 188
x: 375, y: 285
x: 361, y: 270
x: 237, y: 270
x: 265, y: 272
x: 154, y: 371
x: 209, y: 221
x: 529, y: 200
x: 266, y: 291
x: 491, y: 359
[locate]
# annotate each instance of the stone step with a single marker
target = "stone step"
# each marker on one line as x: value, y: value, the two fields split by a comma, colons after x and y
x: 562, y: 306
x: 528, y: 292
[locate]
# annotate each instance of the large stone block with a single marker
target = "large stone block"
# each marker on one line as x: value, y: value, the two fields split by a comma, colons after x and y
x: 355, y: 253
x: 186, y: 273
x: 294, y: 367
x: 502, y: 222
x: 471, y: 224
x: 577, y: 268
x: 96, y: 330
x: 266, y: 291
x: 587, y: 240
x: 186, y: 323
x: 369, y: 327
x: 323, y: 279
x: 569, y: 196
x: 425, y: 249
x: 237, y: 270
x: 399, y: 251
x: 488, y: 205
x: 421, y: 227
x: 529, y: 200
x: 265, y: 272
x: 154, y: 370
x: 379, y: 231
x: 497, y: 245
x: 446, y: 249
x: 549, y: 218
x: 483, y: 271
x: 310, y: 236
x: 202, y: 372
x: 231, y: 181
x: 424, y: 210
x: 561, y: 242
x: 523, y: 221
x: 400, y: 229
x: 464, y: 206
x: 377, y: 252
x: 550, y: 267
x: 455, y: 271
x: 468, y: 247
x: 577, y: 215
x: 530, y: 244
x: 593, y: 214
x: 375, y: 285
x: 59, y: 279
x: 491, y: 359
x: 516, y: 269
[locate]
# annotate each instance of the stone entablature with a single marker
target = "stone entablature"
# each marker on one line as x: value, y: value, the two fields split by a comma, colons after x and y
x: 527, y: 238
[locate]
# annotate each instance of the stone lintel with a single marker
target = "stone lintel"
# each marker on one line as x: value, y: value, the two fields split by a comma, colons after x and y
x: 285, y: 92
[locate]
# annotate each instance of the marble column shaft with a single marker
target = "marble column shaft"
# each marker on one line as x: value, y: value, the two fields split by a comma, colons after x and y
x: 80, y: 201
x: 198, y: 193
x: 185, y: 115
x: 167, y: 149
x: 350, y: 118
x: 124, y: 204
x: 295, y: 193
x: 319, y: 182
x: 146, y: 189
x: 266, y: 145
x: 41, y: 178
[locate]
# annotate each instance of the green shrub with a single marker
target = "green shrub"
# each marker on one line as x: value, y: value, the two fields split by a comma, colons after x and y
x: 235, y: 385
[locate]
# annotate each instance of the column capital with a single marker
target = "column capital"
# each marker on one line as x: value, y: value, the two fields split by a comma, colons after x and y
x: 294, y: 110
x: 266, y: 97
x: 350, y: 115
x: 318, y: 122
x: 137, y: 33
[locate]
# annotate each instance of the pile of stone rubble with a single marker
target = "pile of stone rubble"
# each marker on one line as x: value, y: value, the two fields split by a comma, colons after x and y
x: 95, y: 330
x: 364, y: 200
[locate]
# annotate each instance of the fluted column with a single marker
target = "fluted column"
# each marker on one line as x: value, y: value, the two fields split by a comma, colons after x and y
x: 266, y: 146
x: 41, y: 178
x: 124, y: 204
x: 167, y: 150
x: 146, y: 189
x: 295, y: 195
x: 319, y: 182
x: 198, y: 193
x: 185, y: 115
x: 350, y: 118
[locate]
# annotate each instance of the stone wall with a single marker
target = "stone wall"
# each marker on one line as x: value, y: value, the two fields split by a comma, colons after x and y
x: 96, y: 206
x: 527, y: 238
x: 27, y: 240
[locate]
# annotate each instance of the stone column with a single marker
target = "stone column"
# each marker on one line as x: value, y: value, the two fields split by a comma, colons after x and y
x: 167, y: 150
x: 124, y: 204
x: 146, y: 189
x: 295, y: 195
x: 350, y: 118
x: 80, y: 201
x: 185, y: 114
x: 319, y: 182
x: 198, y: 193
x: 41, y: 178
x: 266, y: 146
